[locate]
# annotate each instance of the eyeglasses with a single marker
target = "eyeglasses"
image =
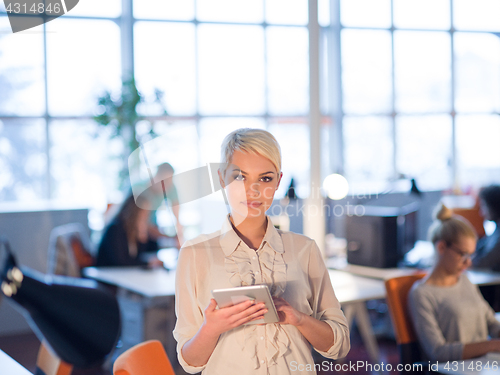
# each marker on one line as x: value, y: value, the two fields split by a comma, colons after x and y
x: 464, y: 256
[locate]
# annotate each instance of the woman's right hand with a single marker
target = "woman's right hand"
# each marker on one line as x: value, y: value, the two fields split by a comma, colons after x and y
x: 218, y: 321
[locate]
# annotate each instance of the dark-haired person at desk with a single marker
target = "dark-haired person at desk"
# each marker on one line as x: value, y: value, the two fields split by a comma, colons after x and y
x: 488, y: 248
x: 451, y: 318
x: 126, y: 241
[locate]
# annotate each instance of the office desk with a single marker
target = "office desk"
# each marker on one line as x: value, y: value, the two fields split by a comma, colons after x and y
x: 9, y: 366
x: 151, y: 283
x: 146, y: 299
x: 372, y: 272
x: 483, y: 277
x: 353, y: 291
x: 476, y: 276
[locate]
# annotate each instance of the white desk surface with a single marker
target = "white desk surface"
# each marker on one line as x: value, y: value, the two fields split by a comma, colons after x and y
x: 149, y: 283
x: 476, y: 276
x: 375, y: 273
x: 351, y: 291
x: 351, y: 288
x: 483, y: 277
x: 10, y: 366
x: 160, y: 282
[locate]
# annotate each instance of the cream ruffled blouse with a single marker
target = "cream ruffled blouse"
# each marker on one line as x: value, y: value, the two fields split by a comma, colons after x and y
x: 293, y: 268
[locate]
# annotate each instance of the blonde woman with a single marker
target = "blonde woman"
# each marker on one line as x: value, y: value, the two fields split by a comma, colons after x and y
x: 248, y: 250
x: 451, y: 318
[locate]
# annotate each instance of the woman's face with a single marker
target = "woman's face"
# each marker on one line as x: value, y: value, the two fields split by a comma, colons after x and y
x: 250, y: 181
x: 457, y: 256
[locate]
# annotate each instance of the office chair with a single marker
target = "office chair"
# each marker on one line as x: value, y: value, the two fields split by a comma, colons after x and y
x: 397, y: 294
x: 474, y: 217
x: 69, y: 250
x: 145, y: 358
x: 48, y: 363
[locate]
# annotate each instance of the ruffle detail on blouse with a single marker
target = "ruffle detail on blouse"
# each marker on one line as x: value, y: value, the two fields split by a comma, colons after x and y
x: 273, y: 271
x: 277, y: 343
x: 239, y: 268
x: 273, y: 267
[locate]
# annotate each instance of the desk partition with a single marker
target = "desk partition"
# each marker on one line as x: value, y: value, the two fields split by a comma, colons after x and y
x: 28, y: 231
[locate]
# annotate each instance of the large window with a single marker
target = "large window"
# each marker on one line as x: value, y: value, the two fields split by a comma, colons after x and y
x: 50, y: 77
x: 421, y: 87
x: 221, y: 65
x: 410, y: 87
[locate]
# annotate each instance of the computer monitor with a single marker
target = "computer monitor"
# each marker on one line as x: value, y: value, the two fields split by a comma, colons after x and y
x: 381, y: 236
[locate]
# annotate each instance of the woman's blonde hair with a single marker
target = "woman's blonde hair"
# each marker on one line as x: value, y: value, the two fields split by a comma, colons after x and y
x: 449, y: 227
x: 255, y: 141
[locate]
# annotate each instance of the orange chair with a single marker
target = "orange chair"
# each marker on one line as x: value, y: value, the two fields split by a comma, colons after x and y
x: 473, y: 216
x: 69, y: 250
x: 48, y: 363
x: 397, y: 294
x: 146, y: 358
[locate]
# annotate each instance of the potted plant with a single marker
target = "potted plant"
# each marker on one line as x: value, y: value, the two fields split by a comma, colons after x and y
x: 120, y: 113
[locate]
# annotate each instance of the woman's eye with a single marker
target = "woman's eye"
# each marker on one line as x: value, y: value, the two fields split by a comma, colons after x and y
x: 267, y: 179
x: 238, y: 177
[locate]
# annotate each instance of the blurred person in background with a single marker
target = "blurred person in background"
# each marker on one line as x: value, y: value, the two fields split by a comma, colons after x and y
x: 163, y: 190
x: 126, y: 240
x: 451, y: 318
x: 488, y: 248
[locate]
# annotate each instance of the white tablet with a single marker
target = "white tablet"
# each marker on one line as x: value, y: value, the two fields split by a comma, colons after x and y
x: 259, y: 293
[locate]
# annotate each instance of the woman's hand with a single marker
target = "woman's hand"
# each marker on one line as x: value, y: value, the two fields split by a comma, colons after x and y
x: 318, y: 333
x: 218, y: 321
x: 154, y: 262
x: 200, y: 347
x: 286, y: 313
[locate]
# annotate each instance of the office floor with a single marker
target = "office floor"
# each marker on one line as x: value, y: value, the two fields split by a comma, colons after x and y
x: 359, y: 355
x: 24, y: 348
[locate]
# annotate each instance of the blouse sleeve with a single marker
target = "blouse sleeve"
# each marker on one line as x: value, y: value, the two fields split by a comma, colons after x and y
x: 189, y: 315
x: 326, y: 307
x: 427, y: 328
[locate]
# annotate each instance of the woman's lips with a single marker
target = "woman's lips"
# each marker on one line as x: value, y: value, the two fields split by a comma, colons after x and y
x: 253, y: 204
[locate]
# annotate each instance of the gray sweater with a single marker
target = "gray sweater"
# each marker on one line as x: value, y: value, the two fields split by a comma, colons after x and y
x: 446, y: 318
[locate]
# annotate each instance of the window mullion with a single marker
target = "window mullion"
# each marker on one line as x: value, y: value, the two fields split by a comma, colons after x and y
x: 393, y: 99
x: 454, y: 167
x: 127, y: 38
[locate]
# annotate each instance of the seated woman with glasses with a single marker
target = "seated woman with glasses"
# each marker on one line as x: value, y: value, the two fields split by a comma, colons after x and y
x: 451, y: 318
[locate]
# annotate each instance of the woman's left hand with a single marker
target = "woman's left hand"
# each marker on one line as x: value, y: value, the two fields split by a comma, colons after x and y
x: 286, y: 313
